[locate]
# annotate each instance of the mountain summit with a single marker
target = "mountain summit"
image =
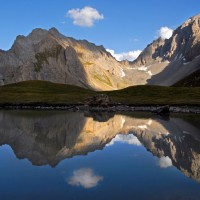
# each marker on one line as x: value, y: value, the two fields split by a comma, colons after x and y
x: 49, y: 55
x: 175, y: 57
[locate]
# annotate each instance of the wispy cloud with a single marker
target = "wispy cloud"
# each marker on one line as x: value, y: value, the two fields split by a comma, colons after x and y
x: 134, y: 40
x: 84, y: 17
x: 165, y: 32
x: 130, y: 56
x: 84, y: 177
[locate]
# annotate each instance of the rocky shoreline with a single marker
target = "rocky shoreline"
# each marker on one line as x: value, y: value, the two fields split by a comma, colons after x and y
x: 109, y: 108
x: 102, y: 103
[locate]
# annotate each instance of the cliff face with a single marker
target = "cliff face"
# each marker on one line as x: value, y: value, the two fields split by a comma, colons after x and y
x: 183, y: 45
x: 172, y: 59
x: 48, y: 55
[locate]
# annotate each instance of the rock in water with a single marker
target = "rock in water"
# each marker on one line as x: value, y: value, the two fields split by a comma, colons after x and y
x: 163, y: 111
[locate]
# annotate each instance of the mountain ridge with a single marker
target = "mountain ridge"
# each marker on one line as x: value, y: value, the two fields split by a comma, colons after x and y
x: 50, y: 56
x: 44, y: 54
x: 166, y: 47
x: 177, y: 57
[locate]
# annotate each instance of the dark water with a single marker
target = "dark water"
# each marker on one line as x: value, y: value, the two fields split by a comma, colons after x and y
x: 59, y: 155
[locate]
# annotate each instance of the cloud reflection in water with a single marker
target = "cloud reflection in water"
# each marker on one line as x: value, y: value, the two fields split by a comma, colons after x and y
x: 165, y: 162
x: 128, y: 139
x: 84, y: 177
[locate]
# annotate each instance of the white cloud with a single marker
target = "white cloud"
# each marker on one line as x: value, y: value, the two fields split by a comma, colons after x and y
x: 130, y: 56
x: 84, y: 177
x: 165, y: 32
x: 129, y: 139
x: 84, y: 17
x: 165, y: 162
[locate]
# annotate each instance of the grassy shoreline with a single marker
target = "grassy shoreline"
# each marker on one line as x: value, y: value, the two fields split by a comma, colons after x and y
x: 41, y: 92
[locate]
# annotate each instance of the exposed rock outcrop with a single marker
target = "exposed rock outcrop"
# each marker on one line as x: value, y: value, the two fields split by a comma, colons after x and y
x: 184, y: 44
x: 50, y: 56
x: 99, y: 100
x: 163, y: 111
x: 170, y: 60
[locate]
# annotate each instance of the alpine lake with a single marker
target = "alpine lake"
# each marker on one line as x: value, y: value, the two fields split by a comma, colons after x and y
x: 98, y: 156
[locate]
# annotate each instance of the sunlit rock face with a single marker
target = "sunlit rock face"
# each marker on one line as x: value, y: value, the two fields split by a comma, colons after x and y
x: 169, y: 60
x: 47, y: 138
x: 48, y: 55
x: 184, y: 43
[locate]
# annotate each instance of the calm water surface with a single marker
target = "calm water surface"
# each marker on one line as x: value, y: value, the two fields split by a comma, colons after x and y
x: 60, y: 155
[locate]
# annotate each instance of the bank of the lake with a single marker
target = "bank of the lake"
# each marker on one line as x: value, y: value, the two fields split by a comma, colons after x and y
x: 47, y: 95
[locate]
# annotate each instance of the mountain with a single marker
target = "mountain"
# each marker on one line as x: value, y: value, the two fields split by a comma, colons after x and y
x: 48, y: 55
x: 170, y: 60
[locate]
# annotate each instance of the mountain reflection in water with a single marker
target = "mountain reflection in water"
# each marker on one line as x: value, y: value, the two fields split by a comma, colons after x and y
x: 47, y: 138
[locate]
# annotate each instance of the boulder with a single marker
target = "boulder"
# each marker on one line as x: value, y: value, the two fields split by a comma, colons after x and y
x: 163, y: 111
x: 99, y: 100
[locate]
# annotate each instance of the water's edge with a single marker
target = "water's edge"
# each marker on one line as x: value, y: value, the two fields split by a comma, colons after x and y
x: 111, y: 108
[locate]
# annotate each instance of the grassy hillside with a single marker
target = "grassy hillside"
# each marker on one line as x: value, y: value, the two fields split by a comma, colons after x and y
x: 42, y: 91
x: 46, y: 92
x: 157, y: 95
x: 192, y: 80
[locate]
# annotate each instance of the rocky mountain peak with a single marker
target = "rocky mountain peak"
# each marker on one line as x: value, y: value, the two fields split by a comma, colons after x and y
x: 194, y: 18
x: 36, y: 35
x: 184, y: 44
x: 49, y: 55
x: 150, y: 54
x: 54, y: 31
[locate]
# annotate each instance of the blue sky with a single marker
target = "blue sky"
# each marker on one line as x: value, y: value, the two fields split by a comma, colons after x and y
x: 126, y: 25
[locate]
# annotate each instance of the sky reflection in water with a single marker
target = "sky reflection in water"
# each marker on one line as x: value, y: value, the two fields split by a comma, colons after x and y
x: 135, y: 157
